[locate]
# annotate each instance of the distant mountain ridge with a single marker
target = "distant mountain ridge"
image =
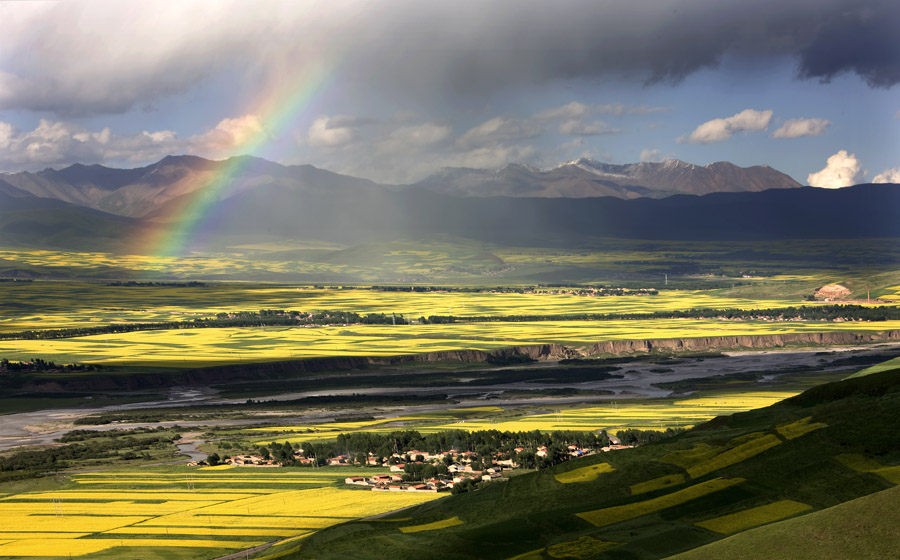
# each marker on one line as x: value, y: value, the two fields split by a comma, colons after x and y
x: 585, y: 178
x: 154, y: 191
x: 147, y: 192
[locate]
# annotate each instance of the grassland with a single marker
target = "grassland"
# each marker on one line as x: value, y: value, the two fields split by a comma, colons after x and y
x: 863, y: 528
x: 884, y: 366
x: 455, y: 260
x: 187, y: 513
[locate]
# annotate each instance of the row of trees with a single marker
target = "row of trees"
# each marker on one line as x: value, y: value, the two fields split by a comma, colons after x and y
x: 270, y: 317
x: 643, y: 437
x: 39, y: 365
x: 135, y: 284
x: 263, y: 318
x: 25, y: 464
x: 484, y: 443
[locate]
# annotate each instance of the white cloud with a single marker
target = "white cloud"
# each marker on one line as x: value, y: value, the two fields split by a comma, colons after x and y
x: 230, y: 133
x: 59, y: 143
x: 406, y: 140
x: 717, y: 130
x: 888, y: 176
x: 499, y: 130
x: 795, y: 128
x: 571, y: 110
x: 841, y: 170
x: 576, y: 110
x: 651, y: 155
x: 897, y: 115
x: 493, y: 157
x: 6, y: 134
x: 327, y: 132
x: 581, y: 128
x: 618, y: 109
x: 426, y: 134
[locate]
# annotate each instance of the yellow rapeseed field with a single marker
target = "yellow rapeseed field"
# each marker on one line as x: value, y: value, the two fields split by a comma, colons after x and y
x: 799, y: 428
x: 657, y: 484
x: 92, y: 521
x: 581, y: 548
x: 584, y: 474
x: 615, y: 514
x: 753, y: 517
x: 735, y: 455
x: 79, y: 547
x: 442, y: 524
x: 864, y: 464
x: 192, y: 347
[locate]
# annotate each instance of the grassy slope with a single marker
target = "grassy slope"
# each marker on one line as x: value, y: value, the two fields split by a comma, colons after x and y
x: 535, y: 511
x: 867, y: 527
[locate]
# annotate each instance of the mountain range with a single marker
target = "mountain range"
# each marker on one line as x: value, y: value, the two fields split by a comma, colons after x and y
x: 253, y: 197
x: 588, y: 178
x: 152, y: 191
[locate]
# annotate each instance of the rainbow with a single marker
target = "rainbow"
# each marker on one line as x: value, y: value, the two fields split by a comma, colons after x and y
x: 277, y: 109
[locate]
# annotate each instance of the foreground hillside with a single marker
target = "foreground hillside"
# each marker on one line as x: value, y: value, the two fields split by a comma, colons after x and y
x: 829, y: 445
x: 867, y: 527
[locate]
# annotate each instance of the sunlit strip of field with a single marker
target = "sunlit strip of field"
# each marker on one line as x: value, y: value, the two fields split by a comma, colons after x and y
x: 443, y: 524
x: 57, y: 305
x: 644, y: 414
x: 584, y: 474
x: 753, y: 517
x: 82, y: 546
x: 610, y: 515
x: 257, y: 344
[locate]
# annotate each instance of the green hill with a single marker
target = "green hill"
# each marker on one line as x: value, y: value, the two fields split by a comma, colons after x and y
x: 829, y: 445
x: 867, y: 527
x: 884, y: 366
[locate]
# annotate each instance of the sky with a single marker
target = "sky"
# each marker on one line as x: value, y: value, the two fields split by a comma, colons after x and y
x: 396, y: 89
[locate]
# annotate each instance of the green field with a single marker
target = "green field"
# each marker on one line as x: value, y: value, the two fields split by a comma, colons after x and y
x: 797, y: 266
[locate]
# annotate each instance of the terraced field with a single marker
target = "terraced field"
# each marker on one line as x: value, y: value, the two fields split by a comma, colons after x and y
x: 187, y: 513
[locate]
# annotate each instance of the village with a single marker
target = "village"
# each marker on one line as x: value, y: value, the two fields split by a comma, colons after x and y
x: 420, y: 471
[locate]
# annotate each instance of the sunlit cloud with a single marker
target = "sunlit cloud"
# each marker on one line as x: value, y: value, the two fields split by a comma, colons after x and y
x: 717, y: 130
x: 796, y: 128
x: 841, y: 170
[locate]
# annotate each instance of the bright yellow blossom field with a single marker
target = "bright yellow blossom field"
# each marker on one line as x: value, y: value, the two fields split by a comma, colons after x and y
x: 194, y: 514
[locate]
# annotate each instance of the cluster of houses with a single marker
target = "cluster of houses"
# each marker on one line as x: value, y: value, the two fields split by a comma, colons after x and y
x: 459, y: 468
x: 447, y: 469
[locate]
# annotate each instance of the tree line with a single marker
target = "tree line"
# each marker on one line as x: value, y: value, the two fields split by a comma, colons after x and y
x: 263, y: 318
x: 26, y: 464
x: 484, y: 443
x: 38, y: 365
x: 280, y: 318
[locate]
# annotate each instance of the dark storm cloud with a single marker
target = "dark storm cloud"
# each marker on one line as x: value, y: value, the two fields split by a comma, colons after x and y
x: 503, y: 43
x: 122, y: 55
x: 865, y: 42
